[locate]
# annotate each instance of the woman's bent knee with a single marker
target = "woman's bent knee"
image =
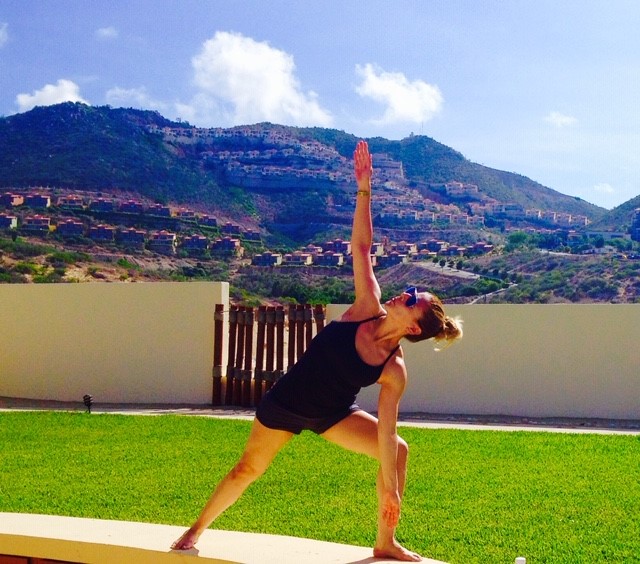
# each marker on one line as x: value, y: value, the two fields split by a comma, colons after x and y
x: 403, y: 449
x: 246, y: 471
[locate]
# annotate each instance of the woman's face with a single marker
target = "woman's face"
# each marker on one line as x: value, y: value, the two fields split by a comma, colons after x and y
x: 410, y: 302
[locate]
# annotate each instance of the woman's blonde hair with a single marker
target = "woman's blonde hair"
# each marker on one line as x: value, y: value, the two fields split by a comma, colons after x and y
x: 435, y: 324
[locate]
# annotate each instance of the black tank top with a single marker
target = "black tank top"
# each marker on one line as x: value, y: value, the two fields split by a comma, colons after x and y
x: 329, y: 375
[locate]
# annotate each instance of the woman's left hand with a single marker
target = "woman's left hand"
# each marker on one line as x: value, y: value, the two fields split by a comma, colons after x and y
x: 363, y: 167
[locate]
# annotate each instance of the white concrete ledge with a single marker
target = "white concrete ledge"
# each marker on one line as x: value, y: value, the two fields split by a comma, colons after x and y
x: 95, y: 541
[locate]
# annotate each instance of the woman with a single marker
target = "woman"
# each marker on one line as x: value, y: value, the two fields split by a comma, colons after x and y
x: 318, y: 393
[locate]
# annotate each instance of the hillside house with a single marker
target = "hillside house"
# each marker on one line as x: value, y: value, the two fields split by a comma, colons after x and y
x: 459, y: 189
x: 392, y: 259
x: 208, y: 220
x: 480, y: 248
x: 102, y: 233
x: 476, y: 220
x: 184, y: 213
x: 298, y: 258
x: 459, y: 218
x: 132, y: 238
x: 195, y: 244
x: 252, y: 235
x: 338, y: 246
x: 40, y: 201
x: 433, y: 245
x: 405, y: 248
x: 163, y: 242
x: 313, y: 250
x: 8, y: 221
x: 131, y: 206
x: 71, y: 202
x: 329, y: 259
x: 228, y: 246
x: 9, y: 200
x: 159, y: 210
x: 564, y: 219
x: 454, y: 251
x: 377, y: 249
x: 267, y: 259
x: 230, y: 229
x: 102, y: 205
x: 37, y: 224
x: 70, y: 228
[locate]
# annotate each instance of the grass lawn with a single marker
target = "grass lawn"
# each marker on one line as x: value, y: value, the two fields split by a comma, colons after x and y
x: 472, y: 496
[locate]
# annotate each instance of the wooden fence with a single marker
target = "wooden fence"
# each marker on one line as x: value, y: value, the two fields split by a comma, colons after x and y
x: 256, y: 348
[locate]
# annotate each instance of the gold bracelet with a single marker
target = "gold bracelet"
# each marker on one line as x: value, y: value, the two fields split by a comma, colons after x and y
x: 363, y: 193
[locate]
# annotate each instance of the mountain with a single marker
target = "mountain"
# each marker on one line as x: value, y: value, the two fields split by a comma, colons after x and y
x: 619, y: 218
x: 82, y: 147
x: 424, y: 159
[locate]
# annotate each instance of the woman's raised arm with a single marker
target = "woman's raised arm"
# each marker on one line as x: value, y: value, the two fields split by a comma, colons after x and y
x: 366, y: 286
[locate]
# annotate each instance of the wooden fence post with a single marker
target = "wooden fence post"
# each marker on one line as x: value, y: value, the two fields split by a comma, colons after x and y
x: 308, y: 326
x: 299, y: 331
x: 247, y: 373
x: 291, y: 356
x: 233, y: 331
x: 237, y: 365
x: 260, y: 344
x: 279, y: 342
x: 216, y: 391
x: 269, y: 374
x: 319, y: 317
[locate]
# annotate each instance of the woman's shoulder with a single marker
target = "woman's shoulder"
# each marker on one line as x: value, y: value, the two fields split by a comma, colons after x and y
x: 395, y: 370
x: 358, y: 313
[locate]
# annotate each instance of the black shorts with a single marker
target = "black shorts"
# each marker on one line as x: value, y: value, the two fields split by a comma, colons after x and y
x: 273, y: 415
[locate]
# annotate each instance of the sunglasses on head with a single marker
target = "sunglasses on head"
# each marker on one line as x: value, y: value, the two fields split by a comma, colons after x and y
x: 413, y: 296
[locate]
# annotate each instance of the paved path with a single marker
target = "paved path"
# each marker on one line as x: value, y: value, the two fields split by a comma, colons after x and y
x: 426, y: 420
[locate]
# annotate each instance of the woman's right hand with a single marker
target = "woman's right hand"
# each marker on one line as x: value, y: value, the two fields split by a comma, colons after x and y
x: 187, y: 541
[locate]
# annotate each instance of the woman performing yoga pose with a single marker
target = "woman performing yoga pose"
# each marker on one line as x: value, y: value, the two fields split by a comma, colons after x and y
x: 318, y: 393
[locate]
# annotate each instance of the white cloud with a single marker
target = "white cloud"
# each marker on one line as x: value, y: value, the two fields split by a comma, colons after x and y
x: 405, y: 101
x: 560, y: 120
x: 245, y: 81
x: 63, y: 91
x: 4, y: 33
x: 604, y: 188
x: 133, y: 97
x: 107, y: 33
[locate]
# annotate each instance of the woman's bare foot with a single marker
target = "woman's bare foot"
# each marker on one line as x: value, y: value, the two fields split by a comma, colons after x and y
x: 396, y: 552
x: 186, y: 541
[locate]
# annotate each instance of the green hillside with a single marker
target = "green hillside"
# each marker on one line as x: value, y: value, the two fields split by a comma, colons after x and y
x: 83, y: 147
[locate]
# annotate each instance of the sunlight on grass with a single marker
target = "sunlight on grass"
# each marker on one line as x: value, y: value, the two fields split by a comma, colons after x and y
x: 472, y: 496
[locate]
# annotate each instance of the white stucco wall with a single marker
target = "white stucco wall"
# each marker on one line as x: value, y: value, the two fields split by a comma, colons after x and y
x: 528, y: 360
x: 153, y: 342
x: 147, y: 342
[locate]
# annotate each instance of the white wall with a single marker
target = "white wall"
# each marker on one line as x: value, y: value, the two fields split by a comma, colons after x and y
x: 528, y: 360
x: 153, y: 342
x: 147, y: 342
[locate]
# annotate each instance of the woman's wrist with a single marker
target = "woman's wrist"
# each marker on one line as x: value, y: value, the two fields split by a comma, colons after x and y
x: 365, y: 193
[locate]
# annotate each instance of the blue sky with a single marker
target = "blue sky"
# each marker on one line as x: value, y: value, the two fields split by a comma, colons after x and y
x: 547, y: 89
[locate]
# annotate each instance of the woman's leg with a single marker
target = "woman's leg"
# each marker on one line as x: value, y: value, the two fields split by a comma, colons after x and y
x: 359, y: 433
x: 261, y: 448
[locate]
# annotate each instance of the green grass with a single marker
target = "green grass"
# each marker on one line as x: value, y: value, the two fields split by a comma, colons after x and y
x: 472, y: 496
